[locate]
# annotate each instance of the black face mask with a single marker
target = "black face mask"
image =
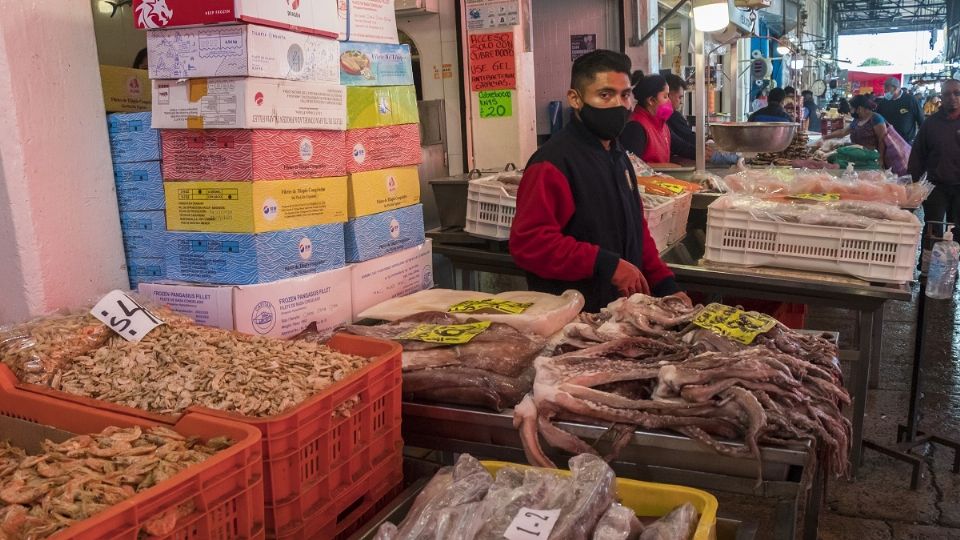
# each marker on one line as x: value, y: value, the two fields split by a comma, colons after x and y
x: 606, y: 124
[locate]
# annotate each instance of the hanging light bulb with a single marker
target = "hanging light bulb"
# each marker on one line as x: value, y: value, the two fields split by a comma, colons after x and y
x: 783, y: 46
x: 797, y: 63
x: 711, y: 15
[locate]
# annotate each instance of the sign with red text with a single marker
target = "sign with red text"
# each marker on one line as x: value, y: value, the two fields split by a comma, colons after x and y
x: 492, y: 64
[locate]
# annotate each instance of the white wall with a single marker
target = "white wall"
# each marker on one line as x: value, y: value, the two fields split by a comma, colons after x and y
x: 436, y: 39
x: 60, y: 240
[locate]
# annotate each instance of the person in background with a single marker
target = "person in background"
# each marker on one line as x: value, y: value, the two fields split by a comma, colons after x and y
x: 790, y: 104
x: 141, y: 61
x: 900, y: 109
x: 813, y: 112
x: 931, y: 106
x: 683, y: 141
x: 870, y: 130
x: 579, y: 221
x: 936, y: 153
x: 774, y: 111
x: 844, y: 107
x: 759, y: 102
x: 647, y: 134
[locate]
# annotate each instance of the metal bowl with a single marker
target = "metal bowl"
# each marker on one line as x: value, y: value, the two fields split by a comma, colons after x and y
x: 753, y: 136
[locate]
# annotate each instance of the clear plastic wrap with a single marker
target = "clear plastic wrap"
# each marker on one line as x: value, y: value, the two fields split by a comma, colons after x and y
x: 594, y: 492
x: 680, y: 524
x: 639, y: 166
x: 618, y: 523
x: 848, y: 214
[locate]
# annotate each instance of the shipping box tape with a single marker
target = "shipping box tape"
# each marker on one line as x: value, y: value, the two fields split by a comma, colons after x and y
x: 253, y: 154
x: 381, y: 234
x: 311, y: 17
x: 125, y: 89
x: 254, y: 207
x: 247, y: 103
x: 373, y: 192
x: 143, y: 233
x: 372, y: 106
x: 372, y: 21
x: 280, y: 309
x: 391, y: 276
x: 146, y: 270
x: 244, y: 259
x: 242, y: 50
x: 139, y: 186
x: 382, y: 147
x: 373, y: 64
x: 132, y: 138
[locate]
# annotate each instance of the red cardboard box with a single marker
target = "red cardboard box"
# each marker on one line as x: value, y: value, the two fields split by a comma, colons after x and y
x: 308, y: 16
x: 384, y: 147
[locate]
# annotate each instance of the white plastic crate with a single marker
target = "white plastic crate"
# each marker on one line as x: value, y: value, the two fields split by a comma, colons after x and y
x: 886, y: 252
x: 660, y: 222
x: 681, y: 214
x: 490, y: 209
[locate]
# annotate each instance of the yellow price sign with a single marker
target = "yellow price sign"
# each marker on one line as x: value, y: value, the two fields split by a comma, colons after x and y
x: 451, y: 334
x: 490, y: 305
x: 670, y: 186
x: 733, y: 323
x: 820, y: 197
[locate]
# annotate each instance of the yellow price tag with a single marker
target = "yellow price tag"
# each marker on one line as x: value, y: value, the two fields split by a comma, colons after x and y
x: 820, y: 197
x: 733, y: 323
x: 669, y: 186
x: 452, y: 334
x: 490, y: 305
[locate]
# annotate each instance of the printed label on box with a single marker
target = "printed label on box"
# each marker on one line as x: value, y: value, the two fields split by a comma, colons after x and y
x: 139, y: 186
x: 143, y: 232
x: 125, y: 89
x: 207, y: 305
x: 132, y: 138
x: 381, y: 106
x: 381, y: 234
x: 392, y: 276
x: 370, y: 21
x: 387, y: 189
x: 310, y: 17
x: 369, y: 64
x: 383, y: 147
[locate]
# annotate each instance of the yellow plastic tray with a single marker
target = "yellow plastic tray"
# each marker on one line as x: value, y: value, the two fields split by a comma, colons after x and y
x: 648, y: 499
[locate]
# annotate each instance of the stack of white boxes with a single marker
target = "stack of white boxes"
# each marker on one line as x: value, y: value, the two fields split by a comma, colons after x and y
x: 252, y: 122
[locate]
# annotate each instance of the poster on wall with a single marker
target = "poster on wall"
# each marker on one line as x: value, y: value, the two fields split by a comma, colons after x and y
x: 581, y: 44
x: 492, y: 65
x: 485, y: 14
x: 496, y: 104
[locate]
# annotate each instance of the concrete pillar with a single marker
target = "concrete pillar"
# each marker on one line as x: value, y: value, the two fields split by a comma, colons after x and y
x: 60, y: 243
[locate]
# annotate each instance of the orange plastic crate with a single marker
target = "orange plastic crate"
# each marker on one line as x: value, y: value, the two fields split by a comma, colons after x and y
x: 227, y: 489
x: 309, y: 456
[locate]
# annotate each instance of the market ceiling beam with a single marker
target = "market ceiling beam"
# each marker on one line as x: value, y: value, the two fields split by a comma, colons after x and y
x: 878, y: 16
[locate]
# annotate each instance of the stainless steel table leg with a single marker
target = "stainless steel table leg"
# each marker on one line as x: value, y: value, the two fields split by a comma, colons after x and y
x: 861, y: 380
x: 877, y: 353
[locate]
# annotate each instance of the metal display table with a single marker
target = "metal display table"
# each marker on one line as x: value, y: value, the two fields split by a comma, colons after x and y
x: 649, y: 456
x: 785, y: 286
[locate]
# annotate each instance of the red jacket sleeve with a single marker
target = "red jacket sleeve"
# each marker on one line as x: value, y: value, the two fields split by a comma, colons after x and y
x: 537, y: 243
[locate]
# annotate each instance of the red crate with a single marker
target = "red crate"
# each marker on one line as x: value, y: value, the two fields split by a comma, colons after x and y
x: 308, y: 454
x: 227, y: 489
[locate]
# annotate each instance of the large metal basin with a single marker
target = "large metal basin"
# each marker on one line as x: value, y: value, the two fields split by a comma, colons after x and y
x: 753, y: 136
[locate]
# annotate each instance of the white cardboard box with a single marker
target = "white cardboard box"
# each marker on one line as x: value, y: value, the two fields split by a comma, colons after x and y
x: 368, y: 21
x: 248, y: 103
x: 399, y: 274
x: 242, y: 50
x: 280, y: 309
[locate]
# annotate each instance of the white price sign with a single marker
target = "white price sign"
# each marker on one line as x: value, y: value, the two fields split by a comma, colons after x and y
x: 125, y: 316
x: 532, y: 524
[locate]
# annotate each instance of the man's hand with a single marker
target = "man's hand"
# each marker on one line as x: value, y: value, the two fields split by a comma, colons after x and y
x: 628, y: 279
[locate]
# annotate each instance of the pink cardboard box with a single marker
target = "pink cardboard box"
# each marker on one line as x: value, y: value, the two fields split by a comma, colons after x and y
x: 377, y: 148
x: 252, y: 154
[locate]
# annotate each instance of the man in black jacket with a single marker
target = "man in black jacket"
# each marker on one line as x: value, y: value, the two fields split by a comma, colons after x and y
x: 683, y: 141
x: 900, y: 109
x: 936, y: 152
x: 774, y: 111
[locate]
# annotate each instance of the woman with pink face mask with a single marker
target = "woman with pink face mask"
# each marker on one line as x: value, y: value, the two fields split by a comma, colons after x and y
x: 647, y: 134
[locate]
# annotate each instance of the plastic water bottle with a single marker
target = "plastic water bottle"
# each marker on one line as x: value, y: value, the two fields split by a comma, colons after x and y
x: 943, y: 268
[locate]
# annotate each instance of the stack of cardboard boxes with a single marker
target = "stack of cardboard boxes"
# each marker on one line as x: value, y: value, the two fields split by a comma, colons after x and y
x: 262, y: 216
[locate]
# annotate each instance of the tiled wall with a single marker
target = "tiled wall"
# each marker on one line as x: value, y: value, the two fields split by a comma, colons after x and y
x: 554, y: 21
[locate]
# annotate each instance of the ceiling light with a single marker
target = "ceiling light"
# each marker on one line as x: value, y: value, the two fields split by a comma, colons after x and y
x: 827, y: 55
x: 711, y: 15
x: 797, y: 63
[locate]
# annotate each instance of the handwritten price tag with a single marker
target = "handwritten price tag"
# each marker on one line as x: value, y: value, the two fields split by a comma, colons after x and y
x: 734, y: 323
x: 820, y: 197
x: 452, y: 334
x: 532, y: 524
x: 125, y: 316
x: 490, y: 306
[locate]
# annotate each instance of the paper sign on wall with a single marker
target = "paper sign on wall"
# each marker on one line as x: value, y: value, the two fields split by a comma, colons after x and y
x: 581, y: 44
x: 484, y: 14
x: 496, y: 104
x: 492, y: 65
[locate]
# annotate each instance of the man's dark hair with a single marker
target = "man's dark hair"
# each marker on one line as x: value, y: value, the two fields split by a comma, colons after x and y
x: 675, y: 82
x: 777, y: 95
x: 586, y: 68
x: 866, y: 101
x: 807, y: 93
x: 790, y: 91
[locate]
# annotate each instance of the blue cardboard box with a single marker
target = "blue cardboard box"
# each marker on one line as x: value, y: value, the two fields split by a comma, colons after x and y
x: 139, y: 186
x: 245, y: 259
x: 131, y: 137
x: 145, y: 270
x: 375, y: 64
x: 143, y: 232
x: 369, y: 237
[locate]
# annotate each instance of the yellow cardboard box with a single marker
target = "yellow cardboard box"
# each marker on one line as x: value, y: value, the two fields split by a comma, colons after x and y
x: 372, y: 106
x: 125, y: 89
x: 255, y: 207
x: 373, y: 192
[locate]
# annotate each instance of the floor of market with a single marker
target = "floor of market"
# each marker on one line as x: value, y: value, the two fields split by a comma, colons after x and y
x: 880, y: 504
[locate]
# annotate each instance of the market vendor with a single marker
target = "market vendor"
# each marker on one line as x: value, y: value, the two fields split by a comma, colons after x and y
x: 936, y: 153
x: 900, y: 109
x: 870, y: 130
x: 774, y: 111
x: 647, y: 134
x: 579, y: 223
